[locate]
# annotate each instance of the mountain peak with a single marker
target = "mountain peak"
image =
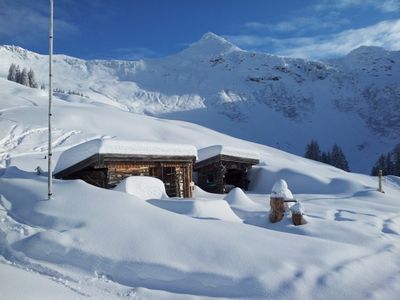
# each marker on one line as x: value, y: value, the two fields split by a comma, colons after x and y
x: 367, y: 50
x: 211, y: 44
x: 212, y: 36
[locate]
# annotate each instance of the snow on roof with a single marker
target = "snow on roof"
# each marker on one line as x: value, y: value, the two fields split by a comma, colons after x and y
x: 212, y: 151
x: 85, y: 150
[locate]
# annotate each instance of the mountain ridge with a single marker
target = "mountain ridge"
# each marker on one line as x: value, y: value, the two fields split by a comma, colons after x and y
x: 274, y: 100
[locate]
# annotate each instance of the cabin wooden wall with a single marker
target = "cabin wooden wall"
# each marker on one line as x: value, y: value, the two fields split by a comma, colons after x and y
x: 94, y: 176
x: 175, y: 175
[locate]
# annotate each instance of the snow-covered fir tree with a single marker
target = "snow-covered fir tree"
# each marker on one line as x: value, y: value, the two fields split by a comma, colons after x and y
x: 31, y: 79
x: 17, y: 74
x: 24, y: 77
x: 12, y: 73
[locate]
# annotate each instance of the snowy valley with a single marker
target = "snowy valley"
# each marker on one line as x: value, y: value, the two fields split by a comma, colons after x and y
x: 90, y: 242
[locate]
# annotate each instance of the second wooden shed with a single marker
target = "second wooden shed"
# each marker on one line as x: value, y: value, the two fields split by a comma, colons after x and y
x: 220, y: 168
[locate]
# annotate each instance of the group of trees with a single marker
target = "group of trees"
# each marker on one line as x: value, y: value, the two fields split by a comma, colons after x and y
x: 389, y: 163
x: 23, y: 77
x: 334, y: 157
x: 70, y: 92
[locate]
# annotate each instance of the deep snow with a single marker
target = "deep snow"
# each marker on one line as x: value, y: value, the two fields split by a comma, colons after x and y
x: 106, y: 244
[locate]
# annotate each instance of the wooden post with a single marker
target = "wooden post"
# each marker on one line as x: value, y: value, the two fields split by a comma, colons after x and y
x: 380, y: 189
x: 278, y: 208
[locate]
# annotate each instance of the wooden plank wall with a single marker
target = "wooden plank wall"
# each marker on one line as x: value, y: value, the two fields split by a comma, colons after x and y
x: 168, y: 172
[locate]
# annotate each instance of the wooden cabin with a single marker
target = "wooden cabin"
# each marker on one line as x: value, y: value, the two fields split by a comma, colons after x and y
x: 106, y: 162
x: 221, y: 168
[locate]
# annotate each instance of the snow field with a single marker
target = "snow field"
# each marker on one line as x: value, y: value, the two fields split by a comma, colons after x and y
x: 109, y: 244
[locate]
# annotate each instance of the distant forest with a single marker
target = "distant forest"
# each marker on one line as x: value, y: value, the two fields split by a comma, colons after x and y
x: 389, y: 162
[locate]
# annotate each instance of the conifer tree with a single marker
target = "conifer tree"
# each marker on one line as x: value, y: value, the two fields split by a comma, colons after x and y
x: 31, y: 79
x: 389, y: 164
x: 313, y: 151
x: 12, y: 73
x: 379, y: 165
x: 326, y: 157
x: 24, y: 77
x: 17, y: 74
x: 338, y: 159
x: 396, y: 160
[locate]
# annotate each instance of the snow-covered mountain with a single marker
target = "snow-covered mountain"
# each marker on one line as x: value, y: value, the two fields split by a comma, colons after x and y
x: 279, y: 101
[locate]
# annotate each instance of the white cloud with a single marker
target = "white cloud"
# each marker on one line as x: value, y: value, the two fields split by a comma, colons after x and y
x: 21, y: 22
x: 384, y: 34
x: 330, y: 21
x: 386, y: 6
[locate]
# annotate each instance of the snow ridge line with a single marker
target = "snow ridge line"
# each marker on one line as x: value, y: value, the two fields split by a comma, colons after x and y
x: 13, y: 140
x: 58, y: 141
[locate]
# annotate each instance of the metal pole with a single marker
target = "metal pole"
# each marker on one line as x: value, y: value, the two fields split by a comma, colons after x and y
x: 49, y: 154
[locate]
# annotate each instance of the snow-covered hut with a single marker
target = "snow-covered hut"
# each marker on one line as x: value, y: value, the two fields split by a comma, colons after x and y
x: 106, y: 162
x: 220, y: 168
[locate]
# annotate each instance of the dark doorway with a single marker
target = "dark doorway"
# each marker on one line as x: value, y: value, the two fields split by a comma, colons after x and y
x: 234, y: 177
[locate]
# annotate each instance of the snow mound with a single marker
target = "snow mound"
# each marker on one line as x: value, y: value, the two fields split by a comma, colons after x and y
x: 209, y: 209
x: 143, y: 187
x: 238, y: 199
x: 281, y: 190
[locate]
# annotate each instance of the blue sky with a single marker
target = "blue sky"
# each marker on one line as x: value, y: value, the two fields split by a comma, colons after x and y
x: 133, y: 29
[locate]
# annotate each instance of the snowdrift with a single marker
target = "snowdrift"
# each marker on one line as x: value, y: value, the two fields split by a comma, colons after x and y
x: 105, y: 243
x: 142, y: 187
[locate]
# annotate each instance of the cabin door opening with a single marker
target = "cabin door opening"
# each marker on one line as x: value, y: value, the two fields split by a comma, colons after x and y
x: 173, y: 179
x: 234, y: 177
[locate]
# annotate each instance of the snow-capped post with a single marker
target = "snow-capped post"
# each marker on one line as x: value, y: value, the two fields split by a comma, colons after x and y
x: 279, y: 194
x: 50, y: 173
x: 297, y: 214
x: 380, y: 189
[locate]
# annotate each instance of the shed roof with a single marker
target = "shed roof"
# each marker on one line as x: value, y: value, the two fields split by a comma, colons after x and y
x: 87, y: 149
x: 215, y: 150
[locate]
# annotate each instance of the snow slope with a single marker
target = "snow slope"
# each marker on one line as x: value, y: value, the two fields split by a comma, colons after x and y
x: 103, y: 244
x: 279, y: 101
